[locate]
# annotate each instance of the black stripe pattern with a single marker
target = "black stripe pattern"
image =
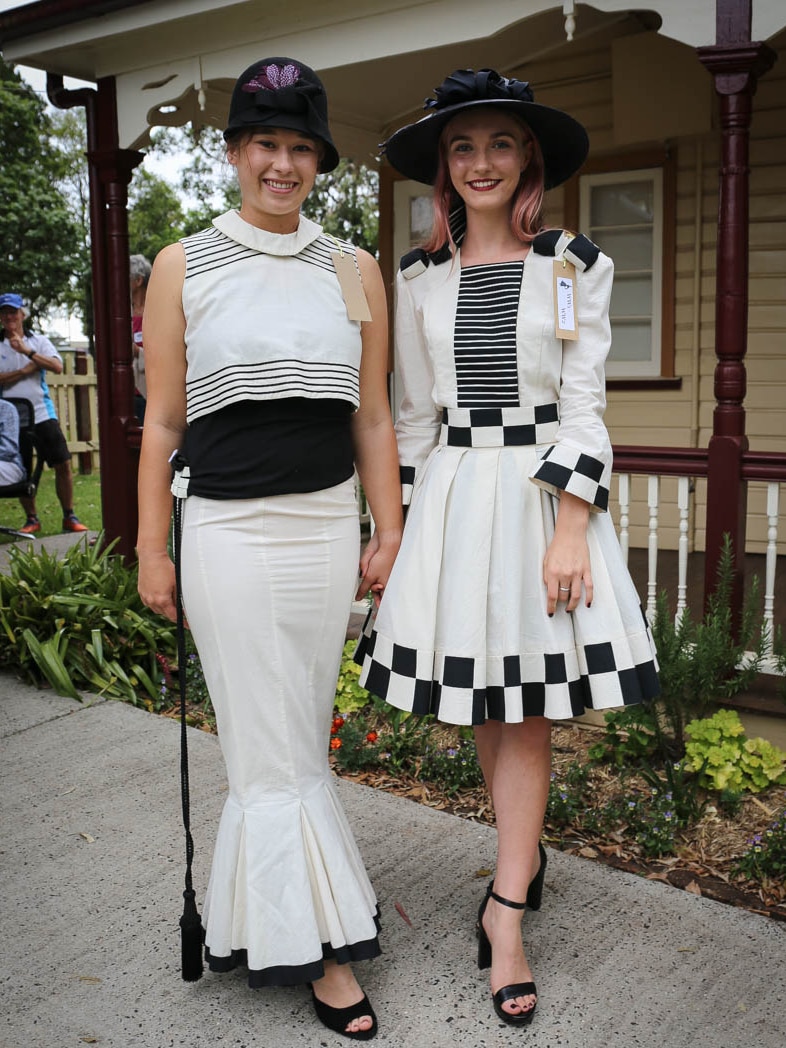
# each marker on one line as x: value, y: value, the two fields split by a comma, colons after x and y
x: 212, y: 251
x: 485, y: 335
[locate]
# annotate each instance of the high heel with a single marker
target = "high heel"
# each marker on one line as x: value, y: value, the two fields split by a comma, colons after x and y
x: 337, y: 1019
x: 506, y: 993
x: 535, y: 890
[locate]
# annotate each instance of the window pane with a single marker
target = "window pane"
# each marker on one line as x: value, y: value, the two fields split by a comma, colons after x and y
x: 622, y: 204
x: 631, y: 297
x: 630, y: 250
x: 420, y: 218
x: 631, y: 340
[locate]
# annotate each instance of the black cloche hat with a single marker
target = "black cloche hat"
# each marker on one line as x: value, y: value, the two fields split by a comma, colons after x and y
x: 414, y: 149
x: 282, y: 92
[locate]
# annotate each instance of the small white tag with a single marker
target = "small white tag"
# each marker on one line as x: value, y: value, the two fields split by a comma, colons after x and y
x: 565, y: 322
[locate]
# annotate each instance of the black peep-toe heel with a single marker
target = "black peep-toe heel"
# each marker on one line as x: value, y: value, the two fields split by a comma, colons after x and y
x: 506, y: 993
x: 337, y: 1019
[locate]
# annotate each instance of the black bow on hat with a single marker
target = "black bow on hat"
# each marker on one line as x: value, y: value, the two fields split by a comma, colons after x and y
x: 465, y: 85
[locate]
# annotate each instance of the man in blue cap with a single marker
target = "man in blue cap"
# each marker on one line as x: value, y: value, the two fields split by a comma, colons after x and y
x: 24, y: 358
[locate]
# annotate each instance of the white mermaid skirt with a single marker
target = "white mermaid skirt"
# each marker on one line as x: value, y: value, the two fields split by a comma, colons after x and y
x: 267, y: 586
x: 462, y: 631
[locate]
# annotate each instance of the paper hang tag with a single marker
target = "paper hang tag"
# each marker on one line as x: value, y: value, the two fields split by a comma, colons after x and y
x: 566, y: 321
x: 351, y: 285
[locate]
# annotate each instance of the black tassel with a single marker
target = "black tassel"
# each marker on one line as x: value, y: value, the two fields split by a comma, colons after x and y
x: 191, y: 938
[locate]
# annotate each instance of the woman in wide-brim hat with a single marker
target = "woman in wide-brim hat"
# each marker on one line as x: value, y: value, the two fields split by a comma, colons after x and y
x: 509, y: 604
x: 266, y: 388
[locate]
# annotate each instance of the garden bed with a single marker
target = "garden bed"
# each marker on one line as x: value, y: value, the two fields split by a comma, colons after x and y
x: 705, y: 855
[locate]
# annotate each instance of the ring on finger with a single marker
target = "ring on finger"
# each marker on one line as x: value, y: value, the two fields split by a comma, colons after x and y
x: 564, y: 589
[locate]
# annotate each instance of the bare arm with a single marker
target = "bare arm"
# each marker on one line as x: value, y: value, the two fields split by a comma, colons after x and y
x: 165, y: 425
x: 33, y: 360
x: 376, y: 457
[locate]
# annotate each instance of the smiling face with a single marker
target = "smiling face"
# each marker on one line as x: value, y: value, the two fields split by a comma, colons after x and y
x: 486, y: 150
x: 276, y: 169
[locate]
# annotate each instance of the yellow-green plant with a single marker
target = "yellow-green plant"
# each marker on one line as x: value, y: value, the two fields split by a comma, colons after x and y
x: 727, y: 760
x: 350, y: 697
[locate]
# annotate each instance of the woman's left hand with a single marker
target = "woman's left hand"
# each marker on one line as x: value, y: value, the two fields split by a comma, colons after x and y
x: 376, y: 565
x: 566, y: 566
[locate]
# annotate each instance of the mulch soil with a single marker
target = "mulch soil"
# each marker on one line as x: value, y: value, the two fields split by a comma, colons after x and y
x: 705, y: 855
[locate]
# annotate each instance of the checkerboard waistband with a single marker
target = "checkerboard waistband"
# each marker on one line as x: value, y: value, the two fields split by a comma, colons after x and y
x: 499, y: 427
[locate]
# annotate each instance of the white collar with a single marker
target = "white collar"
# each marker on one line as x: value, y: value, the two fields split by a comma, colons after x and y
x: 237, y: 229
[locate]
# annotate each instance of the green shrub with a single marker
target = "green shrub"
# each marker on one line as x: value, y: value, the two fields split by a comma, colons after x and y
x: 77, y: 621
x: 452, y: 768
x: 352, y: 743
x: 727, y: 760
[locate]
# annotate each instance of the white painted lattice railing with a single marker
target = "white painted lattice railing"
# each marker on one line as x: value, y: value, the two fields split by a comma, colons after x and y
x: 684, y: 494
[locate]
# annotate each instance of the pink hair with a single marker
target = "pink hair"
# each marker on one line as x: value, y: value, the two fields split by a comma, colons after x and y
x: 526, y: 213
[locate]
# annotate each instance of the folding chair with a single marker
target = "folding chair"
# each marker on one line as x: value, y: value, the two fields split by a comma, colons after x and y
x: 31, y: 461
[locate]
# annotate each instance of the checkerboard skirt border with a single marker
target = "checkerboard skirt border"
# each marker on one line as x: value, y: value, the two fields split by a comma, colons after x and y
x: 559, y: 685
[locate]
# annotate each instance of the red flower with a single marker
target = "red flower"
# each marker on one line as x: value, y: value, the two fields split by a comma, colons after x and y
x: 372, y: 736
x: 338, y: 724
x: 335, y: 744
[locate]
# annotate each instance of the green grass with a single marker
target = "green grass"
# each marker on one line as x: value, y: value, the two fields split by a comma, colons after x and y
x: 87, y: 504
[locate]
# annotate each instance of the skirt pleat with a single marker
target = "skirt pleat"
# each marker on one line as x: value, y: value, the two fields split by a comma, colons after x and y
x: 463, y: 631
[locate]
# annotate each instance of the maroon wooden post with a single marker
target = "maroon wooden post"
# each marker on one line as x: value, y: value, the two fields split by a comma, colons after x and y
x: 109, y: 171
x: 736, y: 63
x: 119, y: 443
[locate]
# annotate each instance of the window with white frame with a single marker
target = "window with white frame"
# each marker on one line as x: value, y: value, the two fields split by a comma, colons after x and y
x: 622, y: 211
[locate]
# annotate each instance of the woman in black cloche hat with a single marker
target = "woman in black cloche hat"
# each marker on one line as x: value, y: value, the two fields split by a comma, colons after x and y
x: 266, y: 356
x: 509, y: 604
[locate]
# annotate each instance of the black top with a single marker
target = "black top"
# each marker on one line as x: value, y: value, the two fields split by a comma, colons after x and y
x: 270, y: 447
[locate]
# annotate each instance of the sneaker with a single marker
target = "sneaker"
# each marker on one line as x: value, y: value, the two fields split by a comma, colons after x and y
x: 32, y: 525
x: 72, y: 523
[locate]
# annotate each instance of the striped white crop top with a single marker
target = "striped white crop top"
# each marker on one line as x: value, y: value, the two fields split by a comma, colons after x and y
x: 265, y: 317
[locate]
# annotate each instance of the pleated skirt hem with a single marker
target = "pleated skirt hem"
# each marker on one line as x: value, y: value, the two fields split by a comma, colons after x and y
x: 463, y: 630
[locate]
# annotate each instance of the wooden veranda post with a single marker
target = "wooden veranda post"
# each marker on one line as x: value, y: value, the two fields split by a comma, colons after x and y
x: 110, y: 170
x: 736, y: 63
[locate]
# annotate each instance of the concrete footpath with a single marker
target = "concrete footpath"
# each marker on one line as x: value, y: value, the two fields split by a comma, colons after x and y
x: 91, y: 861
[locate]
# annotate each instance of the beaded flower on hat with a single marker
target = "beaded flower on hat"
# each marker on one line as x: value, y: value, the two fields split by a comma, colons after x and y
x: 272, y: 77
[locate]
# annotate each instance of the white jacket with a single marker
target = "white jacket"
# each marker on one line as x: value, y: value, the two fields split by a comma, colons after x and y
x: 550, y: 369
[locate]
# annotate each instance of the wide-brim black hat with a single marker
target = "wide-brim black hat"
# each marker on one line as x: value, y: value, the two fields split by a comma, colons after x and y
x: 414, y: 149
x: 282, y: 92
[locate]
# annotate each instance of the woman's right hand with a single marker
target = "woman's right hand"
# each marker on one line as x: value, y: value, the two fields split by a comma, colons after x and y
x: 157, y: 584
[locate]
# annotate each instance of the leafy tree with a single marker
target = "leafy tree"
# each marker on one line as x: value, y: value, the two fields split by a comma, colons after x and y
x: 155, y: 214
x: 345, y: 203
x: 38, y: 235
x: 207, y: 179
x: 70, y: 137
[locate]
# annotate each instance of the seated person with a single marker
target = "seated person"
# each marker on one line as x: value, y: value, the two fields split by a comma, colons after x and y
x: 12, y: 469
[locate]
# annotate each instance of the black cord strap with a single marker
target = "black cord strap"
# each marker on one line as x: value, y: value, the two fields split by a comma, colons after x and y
x: 191, y: 931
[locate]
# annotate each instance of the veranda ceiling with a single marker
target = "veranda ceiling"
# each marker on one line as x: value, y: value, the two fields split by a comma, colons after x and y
x: 175, y: 60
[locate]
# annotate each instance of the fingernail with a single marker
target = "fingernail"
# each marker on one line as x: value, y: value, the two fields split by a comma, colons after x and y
x: 551, y: 614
